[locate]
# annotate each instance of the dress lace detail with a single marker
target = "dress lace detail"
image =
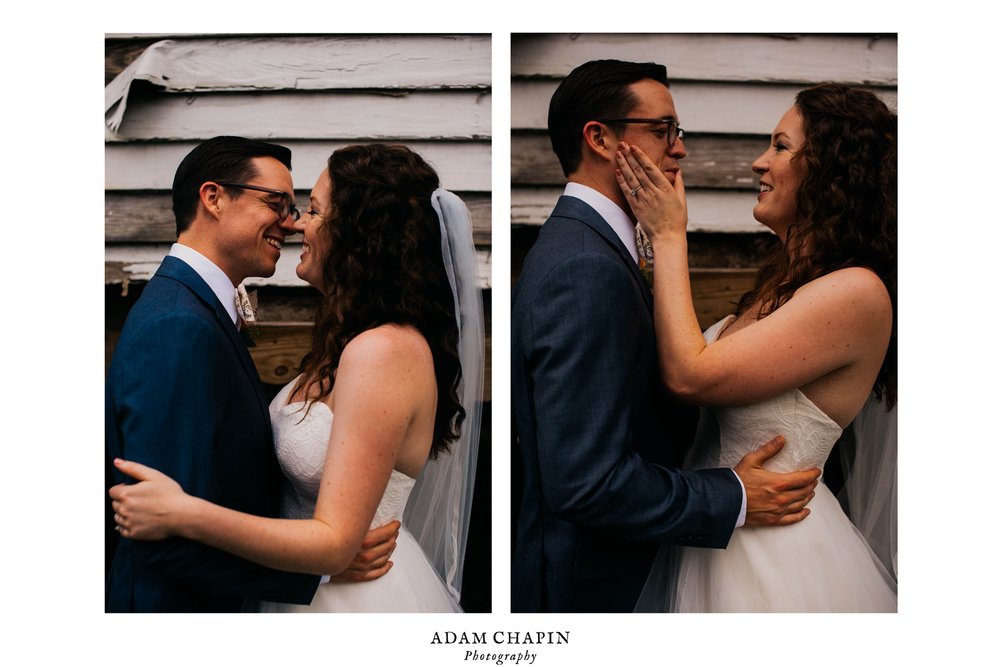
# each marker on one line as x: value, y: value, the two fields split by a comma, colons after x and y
x: 301, y: 439
x: 809, y: 433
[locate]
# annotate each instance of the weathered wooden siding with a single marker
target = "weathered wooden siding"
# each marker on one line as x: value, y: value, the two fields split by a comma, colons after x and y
x: 730, y: 91
x: 311, y: 93
x: 314, y: 94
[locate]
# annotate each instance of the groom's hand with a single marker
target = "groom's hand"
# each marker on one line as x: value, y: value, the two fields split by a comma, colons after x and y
x: 373, y: 560
x: 774, y: 498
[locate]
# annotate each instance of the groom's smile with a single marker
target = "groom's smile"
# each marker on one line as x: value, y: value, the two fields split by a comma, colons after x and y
x: 256, y: 222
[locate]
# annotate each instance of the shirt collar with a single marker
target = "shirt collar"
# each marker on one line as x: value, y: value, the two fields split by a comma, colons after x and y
x: 213, y: 276
x: 612, y: 213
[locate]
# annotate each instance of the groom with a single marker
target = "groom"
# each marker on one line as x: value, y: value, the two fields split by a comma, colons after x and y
x: 600, y: 439
x: 183, y: 395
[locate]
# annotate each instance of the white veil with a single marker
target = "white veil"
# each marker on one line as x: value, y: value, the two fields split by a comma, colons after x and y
x: 438, y: 511
x: 869, y: 493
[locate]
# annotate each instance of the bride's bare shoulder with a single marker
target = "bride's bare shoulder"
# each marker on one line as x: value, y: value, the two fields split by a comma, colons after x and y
x: 388, y: 346
x: 856, y: 288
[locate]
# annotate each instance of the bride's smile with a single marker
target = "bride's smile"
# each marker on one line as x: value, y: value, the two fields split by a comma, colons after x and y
x: 315, y: 237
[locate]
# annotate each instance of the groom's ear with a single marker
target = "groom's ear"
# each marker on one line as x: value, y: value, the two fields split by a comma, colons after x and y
x: 599, y: 140
x: 210, y: 194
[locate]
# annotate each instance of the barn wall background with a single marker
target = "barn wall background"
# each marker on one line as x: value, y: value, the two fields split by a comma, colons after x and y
x: 730, y: 90
x: 164, y: 94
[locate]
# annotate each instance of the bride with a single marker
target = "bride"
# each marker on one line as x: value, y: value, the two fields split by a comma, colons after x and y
x: 397, y: 358
x: 807, y: 349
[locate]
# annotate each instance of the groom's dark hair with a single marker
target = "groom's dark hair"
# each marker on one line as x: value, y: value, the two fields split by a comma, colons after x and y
x: 218, y: 159
x: 596, y: 89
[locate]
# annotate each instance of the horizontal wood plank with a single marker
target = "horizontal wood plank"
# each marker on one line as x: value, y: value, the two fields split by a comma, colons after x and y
x: 134, y: 262
x: 708, y: 210
x: 278, y: 349
x: 320, y: 62
x: 712, y: 161
x: 803, y: 58
x: 461, y: 165
x: 716, y: 291
x: 706, y: 250
x: 285, y: 330
x: 703, y: 107
x: 147, y: 217
x: 458, y: 114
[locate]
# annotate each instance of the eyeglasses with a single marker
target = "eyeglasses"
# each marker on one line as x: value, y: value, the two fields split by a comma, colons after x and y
x: 285, y: 208
x: 674, y: 131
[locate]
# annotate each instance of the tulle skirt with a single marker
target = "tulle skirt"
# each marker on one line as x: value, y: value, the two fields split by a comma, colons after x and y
x: 821, y: 564
x: 412, y: 585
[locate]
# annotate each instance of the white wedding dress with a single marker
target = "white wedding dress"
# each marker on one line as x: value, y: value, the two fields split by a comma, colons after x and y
x: 412, y: 584
x: 820, y: 564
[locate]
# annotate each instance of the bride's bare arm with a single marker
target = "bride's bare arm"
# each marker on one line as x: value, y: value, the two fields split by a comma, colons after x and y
x: 830, y: 323
x: 379, y: 386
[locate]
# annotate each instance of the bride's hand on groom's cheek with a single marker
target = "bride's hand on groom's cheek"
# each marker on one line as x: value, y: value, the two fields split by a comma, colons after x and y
x: 147, y: 510
x: 659, y: 205
x: 372, y: 561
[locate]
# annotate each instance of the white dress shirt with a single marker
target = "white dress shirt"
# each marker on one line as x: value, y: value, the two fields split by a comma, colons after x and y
x: 610, y: 211
x: 623, y: 226
x: 215, y: 278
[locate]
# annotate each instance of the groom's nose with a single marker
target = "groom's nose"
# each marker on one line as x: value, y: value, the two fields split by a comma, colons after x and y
x: 678, y: 151
x: 291, y: 226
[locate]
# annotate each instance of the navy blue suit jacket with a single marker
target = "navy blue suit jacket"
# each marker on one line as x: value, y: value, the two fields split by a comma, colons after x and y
x: 600, y: 439
x: 184, y: 397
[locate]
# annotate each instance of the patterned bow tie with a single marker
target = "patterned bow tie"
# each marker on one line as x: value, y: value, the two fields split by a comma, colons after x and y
x: 644, y: 248
x: 246, y: 314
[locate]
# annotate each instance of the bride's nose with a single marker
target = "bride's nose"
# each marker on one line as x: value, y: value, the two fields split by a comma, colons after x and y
x: 291, y: 225
x: 759, y: 165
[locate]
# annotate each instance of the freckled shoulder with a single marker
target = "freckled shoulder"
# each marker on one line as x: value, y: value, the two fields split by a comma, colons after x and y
x: 389, y: 346
x: 858, y: 291
x: 859, y: 282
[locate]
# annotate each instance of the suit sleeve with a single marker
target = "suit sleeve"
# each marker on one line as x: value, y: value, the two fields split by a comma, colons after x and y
x: 585, y: 331
x: 168, y: 400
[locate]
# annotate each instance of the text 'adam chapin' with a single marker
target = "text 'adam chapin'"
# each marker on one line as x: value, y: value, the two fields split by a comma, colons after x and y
x: 501, y: 637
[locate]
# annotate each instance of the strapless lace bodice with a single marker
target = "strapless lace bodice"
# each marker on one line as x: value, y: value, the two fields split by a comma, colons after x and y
x: 412, y: 585
x: 300, y: 441
x: 726, y: 435
x: 820, y: 564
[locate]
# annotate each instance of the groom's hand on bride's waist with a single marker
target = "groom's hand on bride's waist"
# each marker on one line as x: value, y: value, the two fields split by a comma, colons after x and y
x: 372, y: 561
x: 774, y: 498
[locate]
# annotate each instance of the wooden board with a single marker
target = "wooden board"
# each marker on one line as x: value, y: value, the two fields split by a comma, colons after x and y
x: 713, y: 161
x: 802, y: 58
x: 708, y: 210
x: 147, y: 217
x: 134, y: 262
x: 716, y: 291
x: 316, y: 62
x: 279, y: 348
x: 703, y: 107
x: 461, y: 165
x: 459, y: 114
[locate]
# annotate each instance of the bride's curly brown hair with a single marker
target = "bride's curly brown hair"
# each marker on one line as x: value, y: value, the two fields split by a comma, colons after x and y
x: 846, y: 205
x: 385, y: 266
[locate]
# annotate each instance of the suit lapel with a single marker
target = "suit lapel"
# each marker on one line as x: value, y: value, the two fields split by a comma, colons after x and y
x: 571, y: 207
x: 180, y: 271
